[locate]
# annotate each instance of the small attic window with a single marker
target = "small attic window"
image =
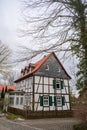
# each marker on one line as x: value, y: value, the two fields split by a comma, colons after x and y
x: 24, y: 73
x: 30, y: 69
x: 27, y: 70
x: 47, y: 67
x: 58, y: 69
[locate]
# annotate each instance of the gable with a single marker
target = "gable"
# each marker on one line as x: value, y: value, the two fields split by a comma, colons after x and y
x: 39, y: 68
x: 55, y: 68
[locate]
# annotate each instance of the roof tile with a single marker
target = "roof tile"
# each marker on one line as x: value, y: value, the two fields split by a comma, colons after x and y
x: 36, y: 66
x: 8, y: 87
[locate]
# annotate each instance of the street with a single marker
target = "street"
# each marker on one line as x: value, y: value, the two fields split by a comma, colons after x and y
x: 9, y: 125
x: 39, y: 124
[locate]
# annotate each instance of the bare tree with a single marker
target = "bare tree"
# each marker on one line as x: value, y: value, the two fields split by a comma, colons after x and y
x: 9, y: 79
x: 4, y: 59
x: 59, y: 25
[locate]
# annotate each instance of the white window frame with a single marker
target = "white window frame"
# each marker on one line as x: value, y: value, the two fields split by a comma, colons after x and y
x: 59, y: 100
x: 58, y: 82
x: 46, y: 100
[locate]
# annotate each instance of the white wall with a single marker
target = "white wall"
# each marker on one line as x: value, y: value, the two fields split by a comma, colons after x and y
x: 25, y: 85
x: 48, y: 88
x: 43, y: 86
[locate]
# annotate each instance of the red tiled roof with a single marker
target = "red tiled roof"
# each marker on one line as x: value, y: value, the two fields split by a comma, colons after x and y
x: 37, y: 65
x: 8, y: 87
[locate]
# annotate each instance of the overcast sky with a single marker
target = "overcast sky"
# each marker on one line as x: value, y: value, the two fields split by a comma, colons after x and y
x: 10, y: 23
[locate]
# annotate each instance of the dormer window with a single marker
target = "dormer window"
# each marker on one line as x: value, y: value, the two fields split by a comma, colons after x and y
x: 47, y: 67
x: 27, y: 70
x: 30, y: 69
x: 58, y: 69
x: 24, y: 73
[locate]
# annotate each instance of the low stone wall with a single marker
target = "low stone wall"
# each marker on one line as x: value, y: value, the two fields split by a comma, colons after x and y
x: 41, y: 114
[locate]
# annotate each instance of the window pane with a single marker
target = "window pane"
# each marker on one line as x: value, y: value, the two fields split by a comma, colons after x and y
x: 59, y: 100
x: 17, y: 101
x: 58, y: 84
x: 46, y: 100
x: 11, y: 100
x: 21, y: 100
x: 47, y: 67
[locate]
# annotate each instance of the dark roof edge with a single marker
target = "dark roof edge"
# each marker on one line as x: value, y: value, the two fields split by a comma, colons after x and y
x: 61, y: 65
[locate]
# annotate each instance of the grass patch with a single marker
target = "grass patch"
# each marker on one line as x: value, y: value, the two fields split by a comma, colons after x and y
x: 82, y: 126
x: 11, y: 116
x: 1, y: 111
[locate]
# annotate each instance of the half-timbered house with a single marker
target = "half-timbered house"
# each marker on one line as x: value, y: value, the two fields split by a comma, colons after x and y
x: 45, y: 85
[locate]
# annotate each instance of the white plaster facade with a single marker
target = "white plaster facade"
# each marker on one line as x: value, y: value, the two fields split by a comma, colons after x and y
x: 43, y: 93
x: 43, y: 86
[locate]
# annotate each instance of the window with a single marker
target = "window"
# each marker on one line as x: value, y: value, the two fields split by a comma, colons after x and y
x: 58, y: 69
x: 11, y: 100
x: 58, y: 84
x: 17, y: 100
x: 24, y: 73
x: 47, y: 67
x: 46, y: 100
x: 27, y: 70
x: 30, y: 69
x: 59, y: 100
x: 21, y: 100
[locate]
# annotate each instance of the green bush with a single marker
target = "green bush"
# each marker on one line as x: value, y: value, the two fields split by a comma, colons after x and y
x: 82, y: 126
x: 11, y: 116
